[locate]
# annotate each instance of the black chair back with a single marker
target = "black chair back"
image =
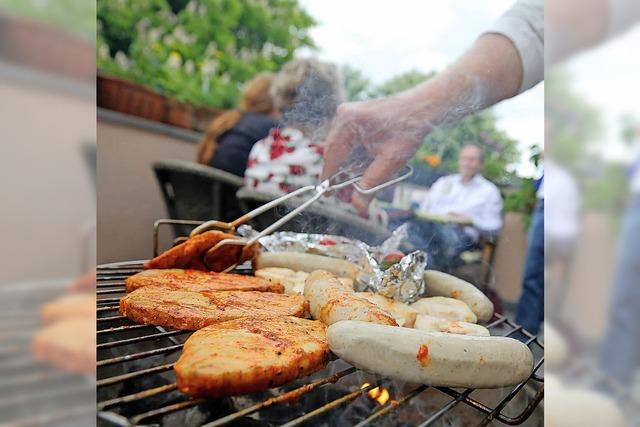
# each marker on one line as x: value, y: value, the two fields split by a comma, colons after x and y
x: 197, y: 192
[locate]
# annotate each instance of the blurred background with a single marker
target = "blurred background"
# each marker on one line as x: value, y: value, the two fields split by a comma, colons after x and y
x: 167, y: 68
x: 591, y: 157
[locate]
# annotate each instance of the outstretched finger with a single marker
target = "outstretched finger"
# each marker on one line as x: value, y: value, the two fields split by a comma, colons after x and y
x: 339, y: 144
x: 381, y: 170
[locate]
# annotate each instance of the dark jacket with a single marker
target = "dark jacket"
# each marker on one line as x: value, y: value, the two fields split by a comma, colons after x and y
x: 235, y: 145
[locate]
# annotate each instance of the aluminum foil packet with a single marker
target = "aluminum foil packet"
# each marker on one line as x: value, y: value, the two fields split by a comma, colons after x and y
x: 402, y: 281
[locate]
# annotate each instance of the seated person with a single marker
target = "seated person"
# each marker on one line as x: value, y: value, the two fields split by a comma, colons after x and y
x: 307, y: 93
x: 473, y: 204
x: 230, y: 136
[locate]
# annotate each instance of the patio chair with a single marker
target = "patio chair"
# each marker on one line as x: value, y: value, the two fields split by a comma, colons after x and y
x: 480, y: 270
x: 197, y: 192
x: 318, y: 218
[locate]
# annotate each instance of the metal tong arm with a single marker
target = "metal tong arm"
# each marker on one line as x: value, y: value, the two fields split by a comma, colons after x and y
x: 231, y: 226
x: 320, y: 189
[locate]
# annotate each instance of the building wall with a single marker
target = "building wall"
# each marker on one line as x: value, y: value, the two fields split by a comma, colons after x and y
x: 129, y: 199
x: 47, y: 206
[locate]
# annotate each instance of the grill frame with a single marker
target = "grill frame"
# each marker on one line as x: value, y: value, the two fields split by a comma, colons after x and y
x: 110, y: 281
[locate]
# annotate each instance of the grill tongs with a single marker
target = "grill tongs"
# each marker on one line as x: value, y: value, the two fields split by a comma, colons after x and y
x: 344, y: 178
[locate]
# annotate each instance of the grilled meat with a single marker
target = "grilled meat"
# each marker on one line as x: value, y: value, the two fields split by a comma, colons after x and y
x: 81, y: 305
x: 330, y: 301
x: 194, y: 310
x: 69, y: 344
x: 197, y: 254
x: 293, y: 281
x: 198, y: 281
x: 401, y: 312
x: 250, y: 354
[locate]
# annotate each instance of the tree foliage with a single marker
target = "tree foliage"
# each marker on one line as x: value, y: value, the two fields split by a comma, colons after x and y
x: 77, y: 17
x: 573, y: 125
x: 357, y: 86
x: 199, y: 51
x: 400, y: 83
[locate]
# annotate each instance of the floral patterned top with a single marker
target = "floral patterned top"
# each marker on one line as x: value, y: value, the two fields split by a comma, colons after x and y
x: 286, y: 160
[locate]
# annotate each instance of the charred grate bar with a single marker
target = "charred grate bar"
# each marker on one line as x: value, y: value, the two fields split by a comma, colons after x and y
x: 136, y: 384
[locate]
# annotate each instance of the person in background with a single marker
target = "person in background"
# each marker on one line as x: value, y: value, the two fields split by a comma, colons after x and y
x: 307, y: 93
x: 230, y: 137
x: 620, y: 350
x: 466, y: 198
x: 530, y: 311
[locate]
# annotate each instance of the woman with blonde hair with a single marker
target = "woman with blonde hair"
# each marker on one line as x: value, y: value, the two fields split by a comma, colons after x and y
x: 307, y: 93
x: 230, y: 136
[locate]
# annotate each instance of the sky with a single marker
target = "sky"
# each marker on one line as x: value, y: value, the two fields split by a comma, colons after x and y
x: 383, y: 39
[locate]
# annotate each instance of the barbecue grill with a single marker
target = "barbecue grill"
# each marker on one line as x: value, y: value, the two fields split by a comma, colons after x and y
x: 33, y: 393
x: 136, y: 384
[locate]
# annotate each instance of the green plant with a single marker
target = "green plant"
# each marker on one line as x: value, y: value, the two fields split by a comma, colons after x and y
x: 446, y: 142
x: 521, y: 198
x: 356, y: 85
x: 400, y: 83
x: 200, y: 51
x: 78, y: 17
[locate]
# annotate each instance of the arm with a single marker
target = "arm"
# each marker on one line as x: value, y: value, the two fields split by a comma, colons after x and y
x: 598, y: 20
x: 392, y: 128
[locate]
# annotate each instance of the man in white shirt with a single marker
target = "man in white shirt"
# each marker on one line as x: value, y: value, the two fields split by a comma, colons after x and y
x: 467, y: 195
x: 466, y: 198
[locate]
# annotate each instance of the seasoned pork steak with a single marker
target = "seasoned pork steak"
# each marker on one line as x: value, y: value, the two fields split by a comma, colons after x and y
x: 189, y: 310
x: 198, y: 281
x: 250, y: 354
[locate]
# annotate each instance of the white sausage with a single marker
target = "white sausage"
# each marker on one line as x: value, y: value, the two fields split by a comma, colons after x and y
x: 330, y: 301
x: 428, y: 323
x: 446, y: 285
x: 306, y: 262
x: 431, y: 358
x: 293, y: 281
x: 404, y: 315
x: 445, y: 308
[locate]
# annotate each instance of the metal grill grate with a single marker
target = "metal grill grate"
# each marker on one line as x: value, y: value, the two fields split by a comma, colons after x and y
x: 134, y: 393
x: 33, y: 393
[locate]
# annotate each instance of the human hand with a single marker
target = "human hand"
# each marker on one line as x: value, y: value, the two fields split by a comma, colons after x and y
x: 387, y: 128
